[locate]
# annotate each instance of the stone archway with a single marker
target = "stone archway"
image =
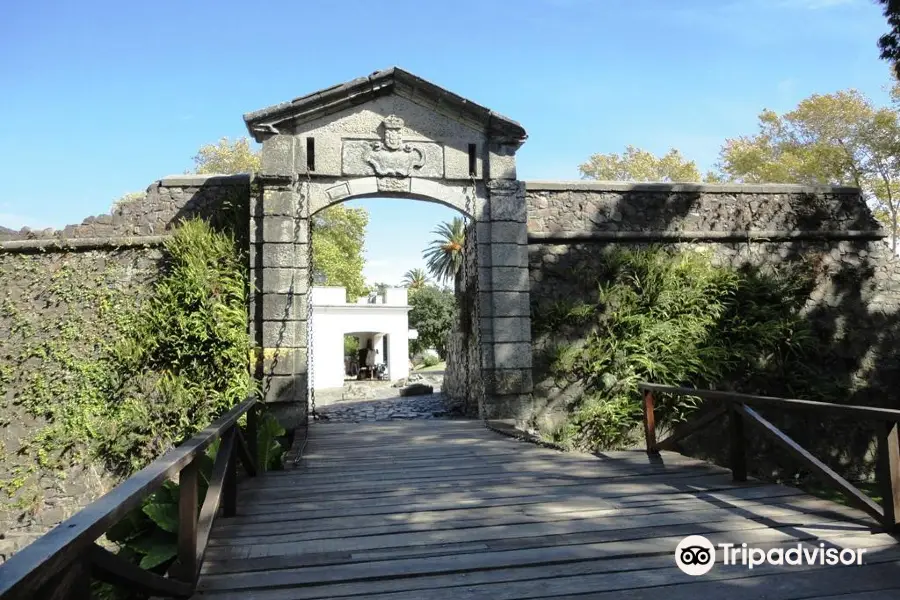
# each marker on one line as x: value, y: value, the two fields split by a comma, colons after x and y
x: 391, y: 134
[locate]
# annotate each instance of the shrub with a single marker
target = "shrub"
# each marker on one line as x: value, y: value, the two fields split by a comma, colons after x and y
x: 430, y: 360
x: 671, y: 318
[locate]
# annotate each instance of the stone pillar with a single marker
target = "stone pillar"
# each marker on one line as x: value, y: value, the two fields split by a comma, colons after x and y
x: 505, y: 311
x: 279, y: 259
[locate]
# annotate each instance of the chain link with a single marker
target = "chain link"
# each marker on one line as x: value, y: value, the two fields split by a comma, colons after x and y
x: 475, y: 312
x: 310, y: 282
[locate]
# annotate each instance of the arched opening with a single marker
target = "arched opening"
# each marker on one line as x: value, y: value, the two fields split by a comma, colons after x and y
x: 386, y: 300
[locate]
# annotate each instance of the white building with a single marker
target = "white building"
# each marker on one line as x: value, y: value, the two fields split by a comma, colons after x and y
x: 382, y: 320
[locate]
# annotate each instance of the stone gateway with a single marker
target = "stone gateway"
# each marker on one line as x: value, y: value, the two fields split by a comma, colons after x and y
x: 392, y: 134
x: 527, y: 246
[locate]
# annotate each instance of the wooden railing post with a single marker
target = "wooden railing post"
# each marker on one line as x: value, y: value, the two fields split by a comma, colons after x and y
x: 737, y: 441
x: 229, y: 499
x: 252, y: 425
x: 187, y: 522
x: 650, y: 423
x: 888, y: 474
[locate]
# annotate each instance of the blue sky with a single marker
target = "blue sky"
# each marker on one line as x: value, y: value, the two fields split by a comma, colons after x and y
x: 100, y: 98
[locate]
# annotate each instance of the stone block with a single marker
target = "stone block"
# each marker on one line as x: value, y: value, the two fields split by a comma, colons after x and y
x: 283, y: 230
x: 487, y: 355
x: 509, y: 279
x: 508, y: 232
x: 284, y: 281
x: 508, y: 207
x: 511, y: 329
x: 280, y: 203
x: 501, y: 161
x: 285, y: 255
x: 284, y: 334
x: 277, y: 155
x: 281, y: 307
x: 510, y: 304
x: 283, y: 361
x: 519, y: 407
x: 483, y: 255
x: 510, y: 381
x: 485, y: 304
x: 512, y: 355
x: 509, y: 255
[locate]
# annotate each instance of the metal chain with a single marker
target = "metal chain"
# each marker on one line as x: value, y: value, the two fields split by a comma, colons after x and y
x: 310, y: 282
x: 475, y: 314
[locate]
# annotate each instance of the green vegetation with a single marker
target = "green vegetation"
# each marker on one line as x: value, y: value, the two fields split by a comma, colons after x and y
x: 639, y: 165
x: 116, y: 383
x: 159, y: 372
x: 351, y: 345
x: 415, y: 279
x: 430, y: 362
x: 842, y: 138
x: 338, y: 239
x: 432, y: 316
x: 677, y: 319
x: 889, y: 43
x: 338, y: 232
x: 444, y: 255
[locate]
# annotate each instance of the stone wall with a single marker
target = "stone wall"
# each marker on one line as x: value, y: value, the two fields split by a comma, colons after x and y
x: 48, y: 292
x: 155, y: 212
x: 853, y: 307
x: 49, y: 307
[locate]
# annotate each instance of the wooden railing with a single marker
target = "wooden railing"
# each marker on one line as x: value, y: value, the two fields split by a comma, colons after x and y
x: 61, y: 564
x: 738, y: 409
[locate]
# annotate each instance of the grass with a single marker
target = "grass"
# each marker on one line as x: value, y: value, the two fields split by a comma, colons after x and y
x: 438, y: 367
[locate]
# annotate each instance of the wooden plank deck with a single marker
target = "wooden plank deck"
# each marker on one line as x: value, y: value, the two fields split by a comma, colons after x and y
x: 437, y: 510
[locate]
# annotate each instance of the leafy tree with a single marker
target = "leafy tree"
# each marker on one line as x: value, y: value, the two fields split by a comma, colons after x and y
x: 338, y: 236
x: 639, y: 165
x: 889, y: 43
x: 227, y: 157
x: 444, y: 255
x: 338, y: 232
x: 415, y: 279
x: 351, y: 345
x: 432, y: 316
x: 828, y: 139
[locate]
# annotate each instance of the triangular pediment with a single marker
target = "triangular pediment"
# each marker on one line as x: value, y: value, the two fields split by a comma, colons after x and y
x: 288, y: 117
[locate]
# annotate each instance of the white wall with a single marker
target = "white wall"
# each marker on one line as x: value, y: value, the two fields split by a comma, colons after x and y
x: 333, y: 320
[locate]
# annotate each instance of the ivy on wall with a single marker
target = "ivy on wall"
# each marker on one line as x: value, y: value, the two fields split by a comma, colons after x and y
x: 109, y: 376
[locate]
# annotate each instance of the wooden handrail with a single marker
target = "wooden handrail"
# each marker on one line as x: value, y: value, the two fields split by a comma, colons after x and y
x: 70, y: 547
x: 860, y: 412
x: 737, y: 407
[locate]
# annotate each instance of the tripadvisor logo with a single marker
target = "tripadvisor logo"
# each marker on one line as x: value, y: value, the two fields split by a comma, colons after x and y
x: 696, y: 555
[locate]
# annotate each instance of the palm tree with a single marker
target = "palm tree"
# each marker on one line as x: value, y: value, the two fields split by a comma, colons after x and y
x: 415, y: 279
x: 444, y: 256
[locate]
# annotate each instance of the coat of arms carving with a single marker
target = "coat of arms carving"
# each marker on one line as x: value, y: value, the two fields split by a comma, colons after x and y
x: 392, y: 157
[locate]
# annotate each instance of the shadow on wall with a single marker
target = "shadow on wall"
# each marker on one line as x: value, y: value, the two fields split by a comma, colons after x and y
x: 462, y: 380
x: 851, y: 311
